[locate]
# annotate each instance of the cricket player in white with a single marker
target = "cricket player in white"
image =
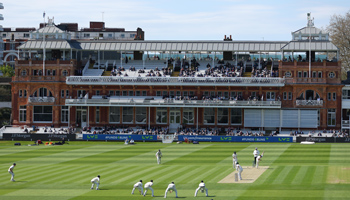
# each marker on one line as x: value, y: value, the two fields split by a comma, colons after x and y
x: 138, y: 185
x: 171, y: 187
x: 159, y: 156
x: 258, y: 159
x: 234, y: 157
x: 11, y: 171
x: 239, y: 170
x: 202, y: 188
x: 256, y: 153
x: 96, y: 181
x: 148, y: 186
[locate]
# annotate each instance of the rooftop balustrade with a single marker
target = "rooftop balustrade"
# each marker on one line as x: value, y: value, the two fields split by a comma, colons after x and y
x: 189, y: 81
x: 173, y: 103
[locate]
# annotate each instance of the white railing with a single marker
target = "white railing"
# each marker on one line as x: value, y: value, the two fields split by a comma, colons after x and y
x: 172, y: 103
x: 226, y: 81
x: 86, y: 66
x: 309, y: 102
x: 41, y: 99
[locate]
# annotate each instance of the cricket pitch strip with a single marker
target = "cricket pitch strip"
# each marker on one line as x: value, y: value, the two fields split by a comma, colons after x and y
x: 249, y: 175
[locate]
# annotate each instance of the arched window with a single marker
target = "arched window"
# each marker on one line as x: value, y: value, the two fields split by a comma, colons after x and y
x: 42, y: 92
x: 309, y: 95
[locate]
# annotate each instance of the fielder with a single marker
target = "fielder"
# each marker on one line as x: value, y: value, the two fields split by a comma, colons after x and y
x: 239, y: 170
x: 255, y: 153
x: 96, y: 181
x: 234, y: 157
x: 11, y: 171
x: 159, y: 156
x: 148, y: 186
x: 202, y: 188
x: 137, y: 185
x: 171, y: 187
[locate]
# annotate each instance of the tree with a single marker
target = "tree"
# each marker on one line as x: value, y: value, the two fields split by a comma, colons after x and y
x: 339, y: 31
x: 7, y: 71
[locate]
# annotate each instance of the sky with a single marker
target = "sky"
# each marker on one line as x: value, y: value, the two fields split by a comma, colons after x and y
x: 266, y: 20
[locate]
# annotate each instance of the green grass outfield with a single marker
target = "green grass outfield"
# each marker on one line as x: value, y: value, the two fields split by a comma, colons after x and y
x: 320, y: 171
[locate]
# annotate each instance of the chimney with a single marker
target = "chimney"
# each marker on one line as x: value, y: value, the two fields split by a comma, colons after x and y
x: 230, y: 37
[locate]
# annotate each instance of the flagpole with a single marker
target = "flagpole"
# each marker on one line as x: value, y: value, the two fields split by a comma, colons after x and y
x: 44, y: 51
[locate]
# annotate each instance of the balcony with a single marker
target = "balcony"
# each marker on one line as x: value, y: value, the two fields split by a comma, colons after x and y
x: 41, y: 99
x: 175, y: 81
x: 309, y: 102
x: 144, y: 102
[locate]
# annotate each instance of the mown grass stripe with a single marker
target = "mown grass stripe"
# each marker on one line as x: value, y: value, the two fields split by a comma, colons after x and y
x: 282, y: 176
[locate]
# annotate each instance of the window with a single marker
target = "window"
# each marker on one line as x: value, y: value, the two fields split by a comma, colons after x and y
x: 212, y: 93
x: 131, y: 93
x: 62, y: 93
x: 239, y: 94
x: 188, y: 116
x: 64, y: 114
x: 319, y: 74
x: 12, y: 46
x: 219, y: 94
x: 185, y: 93
x: 138, y: 93
x: 222, y: 116
x: 67, y: 93
x: 20, y: 93
x: 144, y: 93
x: 98, y: 92
x: 178, y: 93
x: 270, y: 96
x: 110, y: 35
x: 331, y: 75
x: 4, y: 35
x: 158, y: 93
x: 334, y: 96
x: 141, y: 115
x: 24, y: 93
x: 329, y: 96
x: 42, y: 113
x: 114, y: 114
x: 226, y: 95
x: 97, y: 114
x: 132, y: 35
x: 22, y: 113
x: 331, y: 117
x: 128, y: 114
x: 125, y: 93
x: 42, y: 92
x: 290, y: 95
x: 122, y: 35
x: 53, y: 72
x: 191, y: 93
x: 253, y: 94
x: 346, y: 94
x: 111, y: 93
x: 26, y: 35
x: 162, y: 115
x: 48, y: 72
x: 305, y: 74
x: 117, y: 93
x: 23, y: 72
x: 284, y: 95
x: 64, y: 73
x: 86, y: 35
x: 236, y: 116
x: 300, y: 74
x: 81, y: 93
x: 209, y: 116
x: 172, y: 94
x: 165, y: 93
x: 288, y: 74
x: 314, y: 75
x: 233, y: 94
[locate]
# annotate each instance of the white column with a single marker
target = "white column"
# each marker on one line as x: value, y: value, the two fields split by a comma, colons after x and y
x: 197, y: 118
x: 98, y: 59
x: 149, y: 117
x: 121, y: 58
x: 64, y: 54
x: 88, y: 117
x: 68, y: 116
x: 71, y: 53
